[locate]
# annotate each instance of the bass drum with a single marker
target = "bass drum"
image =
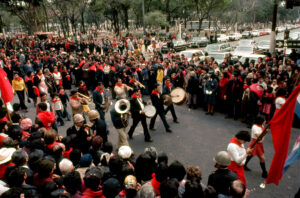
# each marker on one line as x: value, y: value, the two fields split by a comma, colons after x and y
x: 179, y: 96
x: 150, y: 111
x: 167, y: 100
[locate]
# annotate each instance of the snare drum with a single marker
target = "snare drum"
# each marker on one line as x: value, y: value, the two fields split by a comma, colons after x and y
x: 178, y: 96
x: 150, y: 111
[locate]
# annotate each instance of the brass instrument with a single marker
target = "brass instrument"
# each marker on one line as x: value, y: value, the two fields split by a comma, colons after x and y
x: 139, y: 84
x: 122, y: 107
x: 89, y: 99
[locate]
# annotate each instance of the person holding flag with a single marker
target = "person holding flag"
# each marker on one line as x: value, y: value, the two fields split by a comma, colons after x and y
x: 258, y: 149
x: 238, y: 153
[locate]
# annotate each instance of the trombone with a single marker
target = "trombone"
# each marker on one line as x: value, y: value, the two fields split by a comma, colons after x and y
x: 89, y: 99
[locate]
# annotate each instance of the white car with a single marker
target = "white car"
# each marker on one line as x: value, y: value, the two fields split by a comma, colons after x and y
x: 263, y: 45
x: 189, y: 53
x: 222, y: 38
x: 295, y: 35
x: 235, y: 36
x: 219, y: 56
x: 252, y: 57
x: 255, y: 33
x: 246, y: 43
x: 243, y: 51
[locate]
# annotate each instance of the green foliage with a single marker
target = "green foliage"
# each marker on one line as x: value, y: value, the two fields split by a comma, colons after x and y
x: 156, y: 19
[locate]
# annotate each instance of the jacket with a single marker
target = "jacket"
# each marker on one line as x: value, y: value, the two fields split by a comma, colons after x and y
x: 98, y: 99
x: 100, y: 128
x: 18, y: 85
x: 88, y: 193
x: 135, y: 108
x: 116, y: 119
x: 157, y: 102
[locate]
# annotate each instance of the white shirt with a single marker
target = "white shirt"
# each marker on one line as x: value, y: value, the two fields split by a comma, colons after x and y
x: 256, y: 131
x: 238, y: 154
x: 279, y: 102
x: 57, y: 77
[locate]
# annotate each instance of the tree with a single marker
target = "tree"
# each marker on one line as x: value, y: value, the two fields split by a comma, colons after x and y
x: 156, y: 19
x: 27, y: 11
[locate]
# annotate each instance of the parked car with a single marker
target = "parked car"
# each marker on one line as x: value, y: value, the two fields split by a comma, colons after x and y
x: 263, y: 46
x: 235, y: 36
x: 222, y: 38
x: 255, y: 33
x: 224, y: 47
x: 246, y: 43
x: 219, y: 56
x: 268, y: 31
x: 198, y: 42
x: 252, y: 57
x: 294, y: 35
x: 189, y: 53
x: 179, y: 45
x: 243, y: 51
x: 246, y: 34
x: 262, y: 32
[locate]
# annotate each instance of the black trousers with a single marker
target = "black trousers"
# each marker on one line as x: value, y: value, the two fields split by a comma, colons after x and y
x: 162, y: 117
x: 135, y: 122
x: 171, y: 108
x: 21, y: 96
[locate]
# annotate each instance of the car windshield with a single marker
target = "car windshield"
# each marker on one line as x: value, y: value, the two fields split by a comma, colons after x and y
x: 243, y: 49
x: 212, y: 48
x: 217, y: 56
x: 264, y: 43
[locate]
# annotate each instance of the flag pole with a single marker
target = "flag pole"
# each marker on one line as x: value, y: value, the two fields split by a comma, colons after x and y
x: 8, y: 114
x: 260, y: 137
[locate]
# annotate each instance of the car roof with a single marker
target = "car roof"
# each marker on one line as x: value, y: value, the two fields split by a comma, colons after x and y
x: 218, y: 53
x: 191, y: 50
x: 253, y: 56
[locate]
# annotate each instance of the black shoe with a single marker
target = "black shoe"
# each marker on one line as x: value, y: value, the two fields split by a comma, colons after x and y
x: 175, y: 121
x: 264, y: 174
x: 228, y: 117
x: 149, y: 140
x: 152, y: 129
x: 246, y: 168
x: 211, y: 113
x: 130, y: 136
x: 207, y: 113
x: 168, y: 130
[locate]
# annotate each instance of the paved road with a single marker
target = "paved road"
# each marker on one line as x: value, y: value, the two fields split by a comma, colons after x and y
x: 196, y: 140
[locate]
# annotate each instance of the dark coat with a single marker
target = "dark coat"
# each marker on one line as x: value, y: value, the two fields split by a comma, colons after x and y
x: 100, y: 128
x: 97, y: 99
x: 221, y: 180
x: 234, y: 90
x: 193, y: 85
x: 116, y: 119
x: 157, y: 102
x: 135, y: 108
x: 78, y: 138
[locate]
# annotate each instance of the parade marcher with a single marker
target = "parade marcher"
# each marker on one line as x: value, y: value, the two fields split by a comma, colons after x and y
x: 99, y: 98
x: 158, y: 103
x: 58, y: 78
x: 64, y: 99
x: 50, y: 82
x: 40, y: 81
x: 79, y: 134
x: 238, y: 153
x: 120, y: 89
x: 222, y: 178
x: 167, y: 90
x: 120, y: 122
x: 138, y: 115
x: 77, y: 103
x: 258, y: 149
x: 99, y: 126
x: 20, y: 89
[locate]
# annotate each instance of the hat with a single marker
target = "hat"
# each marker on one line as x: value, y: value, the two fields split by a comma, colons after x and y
x: 93, y: 114
x: 111, y: 187
x: 26, y: 124
x: 125, y: 152
x: 5, y: 154
x: 222, y: 158
x: 86, y: 160
x: 130, y: 182
x: 78, y: 118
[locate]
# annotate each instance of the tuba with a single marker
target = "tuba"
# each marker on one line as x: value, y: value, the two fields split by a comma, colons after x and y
x: 122, y: 107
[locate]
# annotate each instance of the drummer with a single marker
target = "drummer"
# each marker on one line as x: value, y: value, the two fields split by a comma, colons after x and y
x: 168, y: 87
x: 138, y: 114
x: 158, y: 103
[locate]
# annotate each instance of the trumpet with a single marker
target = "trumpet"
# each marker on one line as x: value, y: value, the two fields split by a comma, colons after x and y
x: 89, y: 99
x: 140, y: 84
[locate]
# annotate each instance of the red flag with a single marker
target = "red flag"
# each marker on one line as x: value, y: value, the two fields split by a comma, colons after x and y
x: 281, y: 127
x: 7, y: 93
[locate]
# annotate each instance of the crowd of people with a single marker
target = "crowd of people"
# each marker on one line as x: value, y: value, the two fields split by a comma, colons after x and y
x: 56, y: 73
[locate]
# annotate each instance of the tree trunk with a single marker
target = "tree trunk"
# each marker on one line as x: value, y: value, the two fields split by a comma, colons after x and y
x: 125, y: 10
x: 168, y: 13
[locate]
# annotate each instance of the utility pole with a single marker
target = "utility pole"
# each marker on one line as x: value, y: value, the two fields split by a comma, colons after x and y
x: 143, y: 13
x: 273, y: 34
